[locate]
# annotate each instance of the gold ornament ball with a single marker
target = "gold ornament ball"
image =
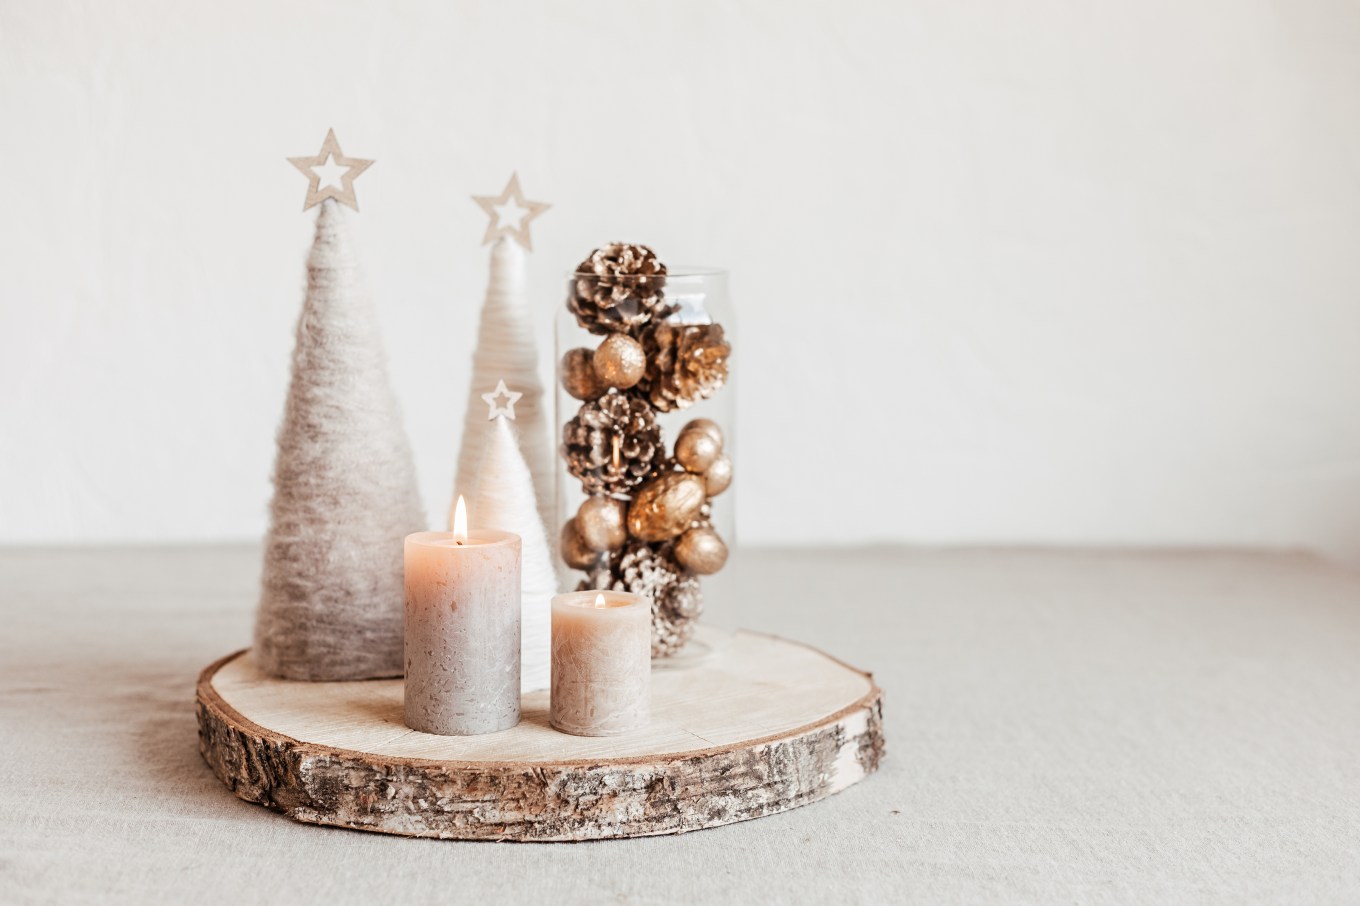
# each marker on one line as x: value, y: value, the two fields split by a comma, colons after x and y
x: 575, y: 552
x: 620, y: 361
x: 664, y: 507
x: 718, y: 476
x: 701, y: 551
x: 706, y: 425
x: 602, y: 523
x: 578, y: 375
x: 696, y: 450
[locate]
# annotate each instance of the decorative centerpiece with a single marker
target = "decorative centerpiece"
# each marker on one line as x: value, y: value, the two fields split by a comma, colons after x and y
x: 646, y: 524
x: 522, y: 714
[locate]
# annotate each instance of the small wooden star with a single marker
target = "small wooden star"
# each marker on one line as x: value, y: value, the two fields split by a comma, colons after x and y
x: 331, y: 167
x: 510, y: 213
x: 496, y: 408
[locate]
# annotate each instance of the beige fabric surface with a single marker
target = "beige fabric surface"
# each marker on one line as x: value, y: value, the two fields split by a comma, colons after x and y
x: 1062, y: 727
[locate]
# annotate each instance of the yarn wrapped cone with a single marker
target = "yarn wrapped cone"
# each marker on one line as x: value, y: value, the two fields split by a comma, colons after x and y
x: 333, y: 598
x: 503, y: 498
x: 506, y: 351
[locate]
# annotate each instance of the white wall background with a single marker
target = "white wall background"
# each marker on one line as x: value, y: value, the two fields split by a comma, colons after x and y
x: 1007, y: 272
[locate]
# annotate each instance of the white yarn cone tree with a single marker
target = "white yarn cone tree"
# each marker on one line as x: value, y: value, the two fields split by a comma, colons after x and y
x: 333, y: 597
x: 506, y: 351
x: 503, y: 498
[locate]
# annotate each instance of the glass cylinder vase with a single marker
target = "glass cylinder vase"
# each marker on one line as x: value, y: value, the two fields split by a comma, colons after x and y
x: 646, y: 416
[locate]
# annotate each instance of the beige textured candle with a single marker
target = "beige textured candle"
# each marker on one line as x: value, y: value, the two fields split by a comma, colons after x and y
x: 462, y: 632
x: 601, y: 662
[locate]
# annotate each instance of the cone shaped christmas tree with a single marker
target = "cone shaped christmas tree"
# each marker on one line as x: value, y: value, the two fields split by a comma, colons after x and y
x: 332, y: 603
x: 506, y: 351
x: 503, y: 498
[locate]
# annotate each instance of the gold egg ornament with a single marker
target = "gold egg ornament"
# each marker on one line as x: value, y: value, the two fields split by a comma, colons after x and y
x: 701, y: 551
x: 707, y: 426
x: 666, y: 506
x: 719, y: 476
x: 602, y: 523
x: 696, y: 450
x: 577, y: 373
x: 575, y: 552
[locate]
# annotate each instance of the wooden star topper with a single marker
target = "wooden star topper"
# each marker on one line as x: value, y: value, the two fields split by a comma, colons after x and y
x: 510, y: 213
x: 332, y: 174
x: 508, y: 409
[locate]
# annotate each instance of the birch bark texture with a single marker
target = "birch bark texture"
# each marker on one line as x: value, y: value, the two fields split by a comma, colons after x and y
x: 506, y: 351
x: 761, y: 726
x: 345, y: 496
x: 503, y: 498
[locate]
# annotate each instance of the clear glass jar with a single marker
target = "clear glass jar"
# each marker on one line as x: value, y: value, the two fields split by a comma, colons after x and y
x: 695, y: 319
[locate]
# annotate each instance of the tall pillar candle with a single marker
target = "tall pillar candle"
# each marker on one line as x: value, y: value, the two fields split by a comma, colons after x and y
x: 462, y: 632
x: 601, y: 663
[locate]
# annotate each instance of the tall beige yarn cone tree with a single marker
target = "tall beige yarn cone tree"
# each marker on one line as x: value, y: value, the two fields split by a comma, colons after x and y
x: 332, y: 602
x: 506, y: 351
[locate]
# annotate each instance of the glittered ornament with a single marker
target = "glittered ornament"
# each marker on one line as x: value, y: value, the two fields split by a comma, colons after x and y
x: 666, y: 506
x: 577, y: 372
x: 575, y: 552
x: 619, y: 361
x: 685, y: 363
x: 718, y: 476
x: 700, y: 550
x: 618, y: 288
x: 602, y: 523
x: 696, y: 451
x: 613, y: 444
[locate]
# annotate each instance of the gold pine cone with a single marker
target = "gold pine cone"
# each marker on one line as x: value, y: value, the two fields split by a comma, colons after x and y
x: 652, y: 571
x: 618, y: 288
x: 685, y: 363
x: 613, y: 444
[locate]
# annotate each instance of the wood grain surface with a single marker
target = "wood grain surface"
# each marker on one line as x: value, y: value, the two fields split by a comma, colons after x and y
x: 744, y: 725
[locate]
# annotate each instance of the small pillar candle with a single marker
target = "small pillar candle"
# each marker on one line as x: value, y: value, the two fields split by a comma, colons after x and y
x: 601, y: 663
x: 462, y: 632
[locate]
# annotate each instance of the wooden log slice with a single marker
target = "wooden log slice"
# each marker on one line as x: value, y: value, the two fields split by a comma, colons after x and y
x: 747, y: 725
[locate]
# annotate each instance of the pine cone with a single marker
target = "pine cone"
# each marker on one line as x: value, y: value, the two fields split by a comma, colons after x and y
x: 613, y: 444
x: 653, y: 572
x: 618, y: 288
x: 685, y: 363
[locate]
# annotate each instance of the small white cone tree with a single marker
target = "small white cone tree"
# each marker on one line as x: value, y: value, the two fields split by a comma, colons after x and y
x: 506, y: 351
x: 332, y: 603
x: 503, y: 498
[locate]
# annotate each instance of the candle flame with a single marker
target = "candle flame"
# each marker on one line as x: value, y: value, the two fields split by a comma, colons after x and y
x: 599, y: 600
x: 460, y: 522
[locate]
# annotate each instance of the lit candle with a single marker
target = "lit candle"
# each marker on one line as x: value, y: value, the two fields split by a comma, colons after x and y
x: 462, y: 630
x: 601, y: 662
